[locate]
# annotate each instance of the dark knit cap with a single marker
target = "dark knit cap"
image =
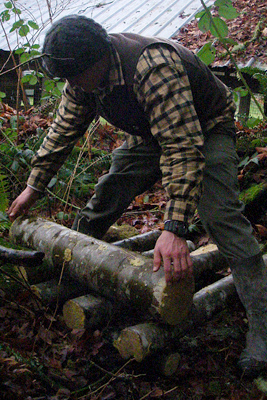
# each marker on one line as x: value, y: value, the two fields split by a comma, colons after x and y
x: 72, y: 45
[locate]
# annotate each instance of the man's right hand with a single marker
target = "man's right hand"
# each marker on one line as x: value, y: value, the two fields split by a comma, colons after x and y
x: 23, y: 203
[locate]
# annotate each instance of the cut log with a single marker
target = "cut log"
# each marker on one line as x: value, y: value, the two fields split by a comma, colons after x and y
x: 40, y: 273
x: 142, y: 340
x: 21, y: 257
x: 164, y: 362
x: 207, y: 262
x: 143, y: 242
x: 87, y: 312
x: 51, y: 292
x: 207, y: 258
x: 114, y: 273
x: 168, y: 364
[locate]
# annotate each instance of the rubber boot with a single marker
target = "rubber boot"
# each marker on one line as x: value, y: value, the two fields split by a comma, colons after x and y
x: 250, y: 278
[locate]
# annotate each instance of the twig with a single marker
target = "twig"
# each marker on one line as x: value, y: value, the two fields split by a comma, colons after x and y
x: 113, y: 377
x: 152, y: 391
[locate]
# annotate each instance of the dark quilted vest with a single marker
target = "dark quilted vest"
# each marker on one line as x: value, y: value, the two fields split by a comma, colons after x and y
x: 121, y: 108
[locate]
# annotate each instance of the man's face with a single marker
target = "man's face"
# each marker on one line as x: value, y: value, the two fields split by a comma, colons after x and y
x: 91, y: 78
x: 84, y: 81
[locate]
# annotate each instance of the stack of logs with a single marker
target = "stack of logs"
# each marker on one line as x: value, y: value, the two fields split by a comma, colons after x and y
x: 98, y: 283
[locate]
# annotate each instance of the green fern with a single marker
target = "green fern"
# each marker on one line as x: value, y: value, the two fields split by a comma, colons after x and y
x: 4, y: 221
x: 3, y: 193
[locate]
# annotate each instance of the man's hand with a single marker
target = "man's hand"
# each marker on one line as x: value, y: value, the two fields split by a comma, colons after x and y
x: 174, y: 252
x: 22, y: 203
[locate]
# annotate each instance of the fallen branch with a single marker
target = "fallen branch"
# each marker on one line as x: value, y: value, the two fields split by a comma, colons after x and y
x: 21, y: 257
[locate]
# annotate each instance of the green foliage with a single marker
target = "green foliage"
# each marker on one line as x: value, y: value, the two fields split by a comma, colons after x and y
x: 29, y: 52
x: 248, y: 195
x: 3, y: 193
x: 4, y: 221
x: 218, y: 28
x: 216, y: 25
x: 258, y: 74
x: 2, y: 96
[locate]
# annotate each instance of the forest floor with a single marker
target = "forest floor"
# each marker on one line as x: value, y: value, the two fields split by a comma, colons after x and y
x: 40, y: 358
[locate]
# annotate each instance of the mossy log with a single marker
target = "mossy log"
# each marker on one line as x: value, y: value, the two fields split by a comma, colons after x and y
x: 21, y: 257
x: 118, y: 274
x: 53, y: 291
x: 87, y: 312
x: 144, y: 339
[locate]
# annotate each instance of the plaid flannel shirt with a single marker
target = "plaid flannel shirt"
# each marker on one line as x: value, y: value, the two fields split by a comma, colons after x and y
x: 162, y: 88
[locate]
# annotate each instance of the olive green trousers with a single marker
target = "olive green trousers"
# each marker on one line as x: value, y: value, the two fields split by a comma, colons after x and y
x: 135, y: 170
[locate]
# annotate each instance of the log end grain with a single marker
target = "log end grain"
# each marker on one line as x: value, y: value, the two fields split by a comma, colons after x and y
x: 73, y: 315
x: 169, y: 364
x: 129, y: 344
x: 176, y: 301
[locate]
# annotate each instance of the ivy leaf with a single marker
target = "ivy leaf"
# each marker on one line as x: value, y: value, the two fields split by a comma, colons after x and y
x: 24, y: 30
x: 219, y: 28
x: 25, y: 79
x: 5, y: 16
x: 33, y: 80
x: 24, y: 57
x: 16, y: 25
x: 8, y: 4
x: 207, y: 53
x: 33, y: 25
x: 21, y: 50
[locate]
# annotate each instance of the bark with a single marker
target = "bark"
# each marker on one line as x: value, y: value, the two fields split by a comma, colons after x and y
x: 51, y: 292
x: 107, y: 270
x: 21, y: 257
x: 143, y: 242
x: 144, y: 339
x: 87, y: 312
x: 206, y: 259
x: 40, y: 273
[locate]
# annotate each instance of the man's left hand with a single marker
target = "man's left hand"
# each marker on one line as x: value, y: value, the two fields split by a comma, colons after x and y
x: 174, y: 253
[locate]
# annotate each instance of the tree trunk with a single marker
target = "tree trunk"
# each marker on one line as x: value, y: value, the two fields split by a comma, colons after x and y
x: 87, y: 312
x: 143, y: 339
x: 112, y: 272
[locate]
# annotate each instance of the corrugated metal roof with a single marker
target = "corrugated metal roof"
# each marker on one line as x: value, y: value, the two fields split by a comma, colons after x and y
x: 161, y: 18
